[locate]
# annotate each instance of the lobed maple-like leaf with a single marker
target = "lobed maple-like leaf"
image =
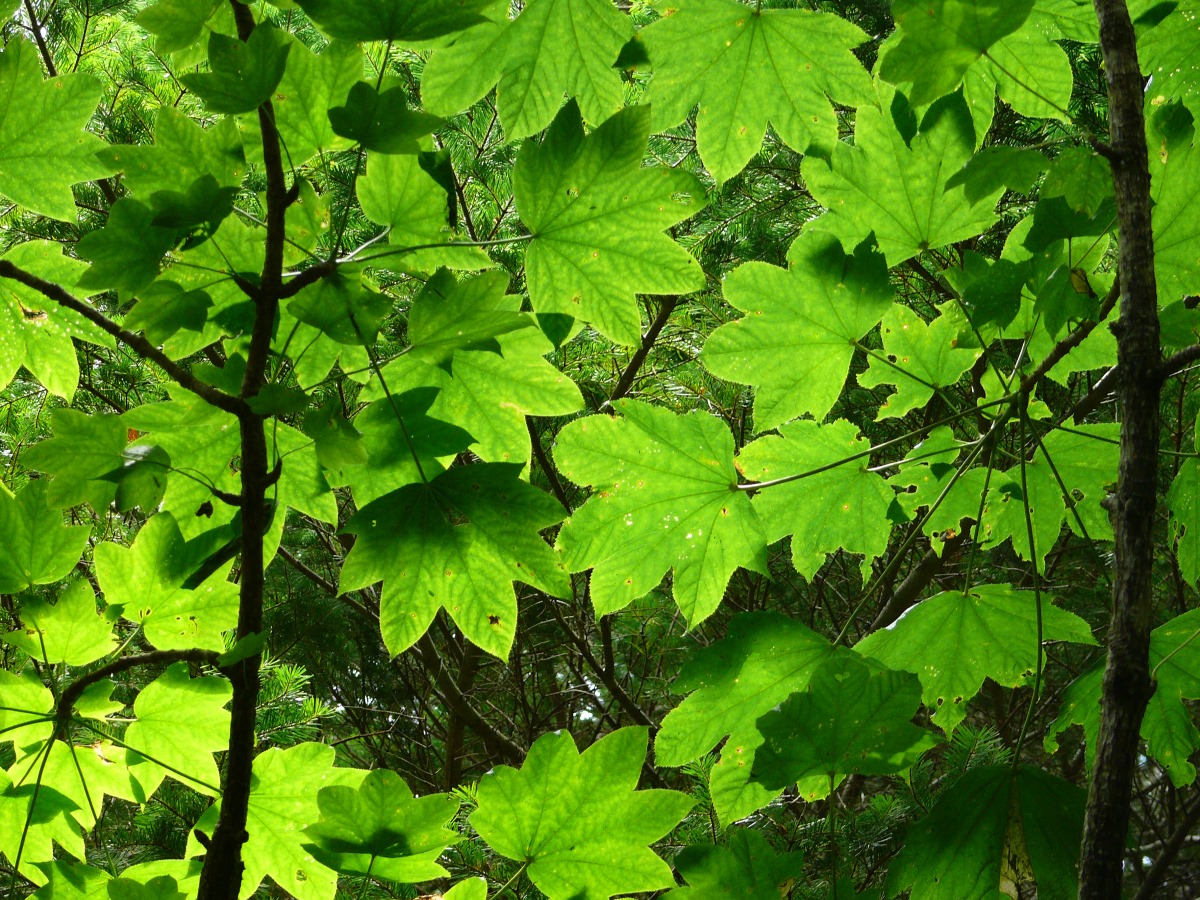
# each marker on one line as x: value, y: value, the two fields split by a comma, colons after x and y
x: 68, y: 631
x: 597, y: 216
x: 180, y: 723
x: 747, y: 869
x: 802, y: 324
x: 487, y: 361
x: 44, y: 147
x: 897, y: 187
x: 849, y: 719
x: 995, y: 826
x: 762, y: 660
x: 144, y: 581
x: 381, y: 830
x: 919, y: 358
x: 838, y: 503
x: 748, y: 66
x: 941, y: 39
x: 456, y: 542
x: 242, y: 74
x: 283, y: 800
x: 82, y: 449
x: 745, y: 67
x: 576, y: 820
x: 953, y: 640
x: 665, y: 498
x: 38, y: 333
x: 37, y: 547
x: 1170, y: 732
x: 554, y: 47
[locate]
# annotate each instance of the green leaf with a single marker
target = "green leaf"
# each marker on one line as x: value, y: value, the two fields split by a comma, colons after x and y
x: 283, y: 801
x: 995, y: 827
x: 1170, y: 733
x: 145, y: 580
x: 665, y: 497
x: 177, y: 23
x: 33, y: 819
x: 471, y: 889
x: 844, y: 508
x: 381, y: 830
x: 941, y: 39
x: 919, y: 358
x: 181, y: 722
x: 487, y: 361
x: 127, y: 252
x: 1031, y: 72
x: 141, y: 479
x: 747, y: 869
x: 397, y: 192
x: 243, y: 74
x: 69, y: 880
x: 726, y: 58
x: 82, y: 449
x: 70, y: 631
x: 381, y: 121
x: 163, y: 309
x: 401, y: 21
x: 457, y: 542
x: 343, y: 307
x: 797, y: 341
x: 37, y: 547
x: 763, y: 659
x: 1082, y: 177
x: 44, y: 147
x: 995, y: 168
x: 163, y: 887
x: 38, y: 332
x: 26, y: 709
x: 1085, y: 458
x: 1166, y: 52
x: 311, y: 84
x: 850, y: 719
x: 450, y: 315
x: 953, y: 640
x: 897, y: 188
x: 557, y: 815
x: 597, y: 217
x: 1183, y: 500
x: 1175, y: 180
x: 388, y: 424
x: 182, y: 152
x: 553, y: 47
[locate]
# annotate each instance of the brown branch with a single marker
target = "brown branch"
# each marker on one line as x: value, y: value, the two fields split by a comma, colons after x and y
x: 548, y: 470
x: 1176, y: 363
x: 1166, y: 856
x: 76, y: 688
x: 137, y: 342
x: 326, y: 585
x: 625, y: 382
x: 1072, y: 340
x: 496, y: 743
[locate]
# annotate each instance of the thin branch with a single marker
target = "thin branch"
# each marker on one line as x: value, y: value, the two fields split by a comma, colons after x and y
x: 76, y: 688
x: 625, y: 382
x: 137, y: 342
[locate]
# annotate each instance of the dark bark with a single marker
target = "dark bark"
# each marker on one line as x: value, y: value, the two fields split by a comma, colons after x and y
x: 221, y: 877
x: 1127, y: 686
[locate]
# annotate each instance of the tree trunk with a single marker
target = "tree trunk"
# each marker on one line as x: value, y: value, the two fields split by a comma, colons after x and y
x: 1127, y: 685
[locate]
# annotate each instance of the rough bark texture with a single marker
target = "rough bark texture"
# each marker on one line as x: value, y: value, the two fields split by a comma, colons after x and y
x: 221, y: 877
x: 1126, y: 676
